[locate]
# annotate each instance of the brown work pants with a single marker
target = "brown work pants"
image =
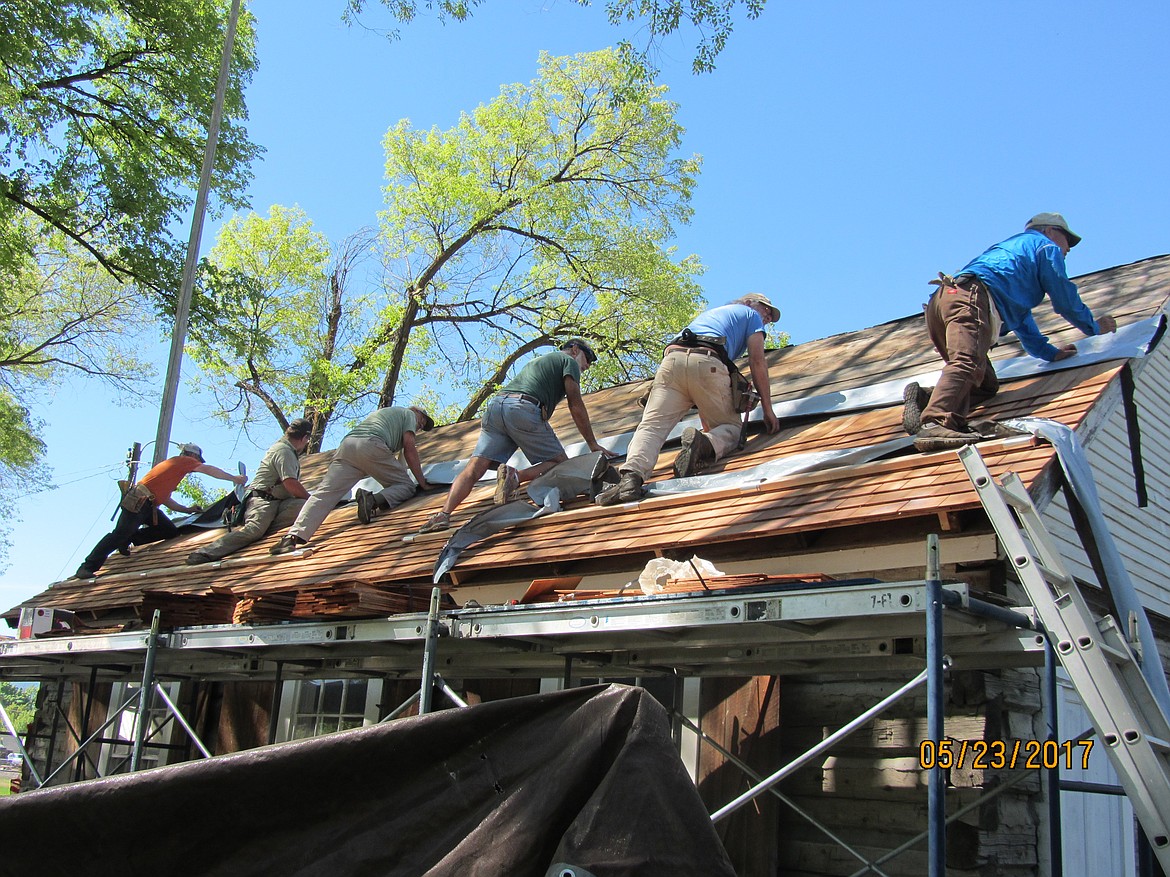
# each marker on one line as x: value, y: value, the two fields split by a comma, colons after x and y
x: 959, y: 322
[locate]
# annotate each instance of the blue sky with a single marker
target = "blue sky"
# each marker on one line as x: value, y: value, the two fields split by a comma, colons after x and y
x: 852, y: 149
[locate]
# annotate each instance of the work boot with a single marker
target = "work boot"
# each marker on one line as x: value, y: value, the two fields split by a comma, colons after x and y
x: 197, y: 557
x: 697, y: 454
x: 990, y: 429
x: 287, y: 543
x: 936, y: 437
x: 628, y: 489
x: 507, y: 480
x: 83, y: 572
x: 914, y: 400
x: 367, y: 505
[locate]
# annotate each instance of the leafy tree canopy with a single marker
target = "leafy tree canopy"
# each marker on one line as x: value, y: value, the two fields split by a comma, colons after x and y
x: 20, y: 703
x: 542, y: 215
x: 273, y: 318
x: 60, y: 314
x: 710, y: 21
x: 103, y: 113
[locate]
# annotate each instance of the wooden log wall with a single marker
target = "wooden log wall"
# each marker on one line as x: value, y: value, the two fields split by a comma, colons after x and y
x: 871, y: 791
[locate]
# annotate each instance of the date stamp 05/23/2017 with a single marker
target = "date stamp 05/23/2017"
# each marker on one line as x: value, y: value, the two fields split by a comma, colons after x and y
x: 951, y: 754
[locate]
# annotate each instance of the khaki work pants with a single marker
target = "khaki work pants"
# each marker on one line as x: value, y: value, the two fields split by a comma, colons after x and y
x: 685, y: 378
x: 259, y: 517
x: 356, y: 458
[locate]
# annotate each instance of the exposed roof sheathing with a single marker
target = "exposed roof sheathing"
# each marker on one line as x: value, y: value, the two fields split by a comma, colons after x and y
x: 367, y: 571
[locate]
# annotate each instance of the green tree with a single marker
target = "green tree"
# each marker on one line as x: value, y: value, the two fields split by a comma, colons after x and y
x: 542, y: 215
x: 60, y: 315
x: 103, y: 108
x: 711, y: 22
x: 103, y: 112
x: 276, y: 320
x: 20, y: 703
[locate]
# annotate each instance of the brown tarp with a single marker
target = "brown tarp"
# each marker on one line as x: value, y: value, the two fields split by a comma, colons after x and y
x: 586, y: 779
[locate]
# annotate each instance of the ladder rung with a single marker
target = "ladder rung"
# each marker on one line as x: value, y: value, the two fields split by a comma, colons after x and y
x: 1158, y: 743
x: 1054, y: 577
x: 1115, y: 655
x: 1124, y: 694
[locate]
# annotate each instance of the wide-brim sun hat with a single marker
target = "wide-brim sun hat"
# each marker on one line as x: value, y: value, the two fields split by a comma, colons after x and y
x: 1054, y: 220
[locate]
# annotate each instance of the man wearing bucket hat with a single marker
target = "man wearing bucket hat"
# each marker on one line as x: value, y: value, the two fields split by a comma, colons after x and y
x: 697, y: 371
x: 139, y: 520
x: 517, y: 418
x: 993, y: 295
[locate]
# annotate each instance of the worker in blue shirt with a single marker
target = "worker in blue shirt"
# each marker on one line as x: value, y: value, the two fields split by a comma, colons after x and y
x: 993, y: 295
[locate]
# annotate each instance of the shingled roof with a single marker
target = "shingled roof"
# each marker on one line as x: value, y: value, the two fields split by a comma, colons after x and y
x: 356, y: 571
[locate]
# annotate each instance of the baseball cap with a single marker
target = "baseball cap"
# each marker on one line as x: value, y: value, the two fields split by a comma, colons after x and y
x: 1055, y: 220
x: 193, y: 450
x: 583, y: 346
x: 428, y: 422
x: 300, y: 427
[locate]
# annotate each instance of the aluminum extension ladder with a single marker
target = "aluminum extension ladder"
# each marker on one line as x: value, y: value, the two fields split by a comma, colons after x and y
x: 1097, y: 657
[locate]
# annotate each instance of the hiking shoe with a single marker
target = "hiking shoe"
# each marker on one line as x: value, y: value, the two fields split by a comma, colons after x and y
x: 914, y: 400
x: 440, y: 520
x: 367, y: 503
x: 629, y: 489
x: 197, y: 557
x: 696, y: 455
x: 990, y: 429
x: 287, y: 543
x: 936, y: 437
x: 507, y: 480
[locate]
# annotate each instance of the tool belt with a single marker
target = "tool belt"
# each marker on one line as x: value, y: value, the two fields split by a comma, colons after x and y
x: 687, y: 338
x: 743, y: 397
x: 234, y: 510
x: 969, y: 282
x: 135, y: 497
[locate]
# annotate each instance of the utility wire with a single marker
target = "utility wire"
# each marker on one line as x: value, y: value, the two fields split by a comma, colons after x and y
x: 85, y: 538
x: 107, y: 470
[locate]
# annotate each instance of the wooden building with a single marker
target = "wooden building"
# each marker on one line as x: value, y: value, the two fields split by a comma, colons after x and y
x: 837, y: 517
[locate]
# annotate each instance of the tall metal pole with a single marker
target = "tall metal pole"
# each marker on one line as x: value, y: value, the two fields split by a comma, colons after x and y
x: 144, y: 694
x: 430, y: 646
x: 182, y: 310
x: 935, y: 709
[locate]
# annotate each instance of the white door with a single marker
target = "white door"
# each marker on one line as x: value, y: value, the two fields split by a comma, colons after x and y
x: 1097, y: 831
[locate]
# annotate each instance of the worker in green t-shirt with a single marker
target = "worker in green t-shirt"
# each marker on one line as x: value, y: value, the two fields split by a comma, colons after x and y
x: 517, y: 417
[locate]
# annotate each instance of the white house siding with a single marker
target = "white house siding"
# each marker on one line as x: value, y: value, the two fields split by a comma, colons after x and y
x: 1097, y: 834
x: 1142, y: 535
x: 1098, y: 829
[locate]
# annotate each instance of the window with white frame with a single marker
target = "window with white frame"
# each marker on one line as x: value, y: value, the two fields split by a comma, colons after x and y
x: 118, y: 741
x: 311, y: 707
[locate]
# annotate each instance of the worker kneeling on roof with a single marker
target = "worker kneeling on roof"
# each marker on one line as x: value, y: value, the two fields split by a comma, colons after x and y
x: 369, y: 449
x: 275, y: 488
x: 698, y: 371
x: 965, y: 317
x: 517, y: 417
x: 139, y: 520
